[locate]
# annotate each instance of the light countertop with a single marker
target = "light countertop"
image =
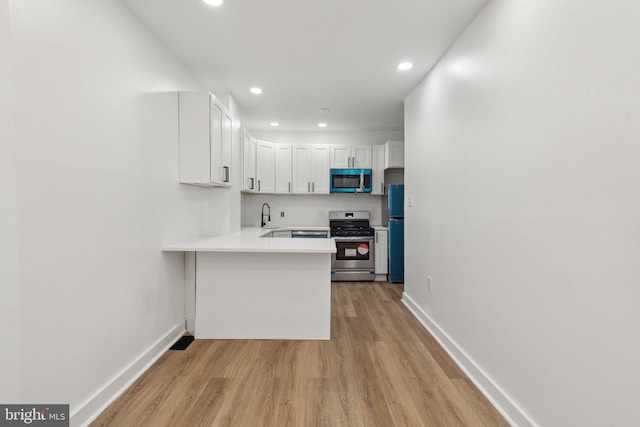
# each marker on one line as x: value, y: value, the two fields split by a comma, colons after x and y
x: 249, y: 240
x: 379, y: 227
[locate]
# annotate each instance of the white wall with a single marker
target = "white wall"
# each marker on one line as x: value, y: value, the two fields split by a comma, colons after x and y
x: 308, y: 209
x: 522, y: 157
x: 97, y: 195
x: 9, y: 269
x: 303, y: 210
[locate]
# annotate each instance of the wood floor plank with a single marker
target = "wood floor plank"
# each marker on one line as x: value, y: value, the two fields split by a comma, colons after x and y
x: 203, y: 409
x: 397, y: 395
x: 479, y: 403
x: 380, y: 368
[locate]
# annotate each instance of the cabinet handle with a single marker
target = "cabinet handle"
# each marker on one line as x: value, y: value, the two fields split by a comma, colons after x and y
x: 308, y: 187
x: 376, y: 237
x: 258, y: 185
x: 289, y: 187
x: 252, y: 183
x: 313, y: 187
x: 225, y: 174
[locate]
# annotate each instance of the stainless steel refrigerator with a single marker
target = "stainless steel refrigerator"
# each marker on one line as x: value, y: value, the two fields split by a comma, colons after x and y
x: 396, y: 233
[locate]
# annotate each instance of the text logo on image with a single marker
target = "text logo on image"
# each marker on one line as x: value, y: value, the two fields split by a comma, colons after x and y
x: 34, y: 415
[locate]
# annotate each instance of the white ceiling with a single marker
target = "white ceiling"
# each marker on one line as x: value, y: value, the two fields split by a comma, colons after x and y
x: 310, y: 54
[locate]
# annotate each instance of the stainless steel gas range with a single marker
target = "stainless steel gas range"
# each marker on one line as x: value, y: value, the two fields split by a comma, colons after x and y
x: 353, y: 260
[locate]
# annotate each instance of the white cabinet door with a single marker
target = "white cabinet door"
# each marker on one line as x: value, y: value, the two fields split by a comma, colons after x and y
x: 377, y: 170
x: 249, y: 162
x: 216, y: 143
x: 340, y: 156
x: 265, y: 167
x: 221, y: 142
x: 311, y: 164
x: 301, y: 169
x: 321, y: 165
x: 350, y: 156
x: 194, y: 136
x: 206, y: 140
x: 382, y: 246
x: 226, y: 142
x: 283, y: 168
x: 361, y: 156
x: 394, y: 154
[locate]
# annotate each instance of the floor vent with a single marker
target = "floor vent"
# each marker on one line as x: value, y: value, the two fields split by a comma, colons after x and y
x: 182, y: 343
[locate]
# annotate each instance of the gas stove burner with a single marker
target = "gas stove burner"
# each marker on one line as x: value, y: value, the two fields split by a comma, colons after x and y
x: 350, y: 224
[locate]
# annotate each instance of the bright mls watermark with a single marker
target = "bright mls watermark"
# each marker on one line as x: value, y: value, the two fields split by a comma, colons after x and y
x: 34, y: 415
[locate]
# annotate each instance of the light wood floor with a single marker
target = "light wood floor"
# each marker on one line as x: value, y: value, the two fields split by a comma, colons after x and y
x: 380, y: 368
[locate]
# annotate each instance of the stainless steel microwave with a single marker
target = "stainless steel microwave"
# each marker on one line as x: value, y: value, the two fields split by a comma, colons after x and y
x: 350, y: 181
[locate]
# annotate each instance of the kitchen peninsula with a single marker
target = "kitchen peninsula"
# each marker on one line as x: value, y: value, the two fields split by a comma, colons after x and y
x: 244, y: 286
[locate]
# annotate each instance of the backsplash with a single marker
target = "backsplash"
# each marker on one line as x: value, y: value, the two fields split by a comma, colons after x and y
x: 303, y: 210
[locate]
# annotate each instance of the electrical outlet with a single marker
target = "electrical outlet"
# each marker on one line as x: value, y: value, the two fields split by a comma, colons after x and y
x: 281, y: 214
x: 429, y: 283
x: 409, y: 201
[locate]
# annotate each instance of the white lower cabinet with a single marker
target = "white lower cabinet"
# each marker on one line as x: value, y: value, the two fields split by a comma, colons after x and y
x: 381, y: 249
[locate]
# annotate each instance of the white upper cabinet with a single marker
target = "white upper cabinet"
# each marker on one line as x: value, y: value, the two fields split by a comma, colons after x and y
x: 276, y: 168
x: 206, y: 140
x: 301, y: 169
x: 350, y: 156
x: 361, y: 155
x: 265, y: 167
x: 226, y: 143
x: 284, y: 168
x: 320, y: 156
x: 248, y: 162
x: 394, y: 154
x: 377, y: 170
x: 311, y: 169
x: 340, y: 156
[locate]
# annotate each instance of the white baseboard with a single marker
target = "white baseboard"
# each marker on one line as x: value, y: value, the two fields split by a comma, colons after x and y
x: 88, y: 411
x: 509, y: 410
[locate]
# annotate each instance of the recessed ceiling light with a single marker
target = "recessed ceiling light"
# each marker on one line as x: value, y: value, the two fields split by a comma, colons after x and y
x: 255, y: 90
x: 274, y: 124
x: 322, y: 125
x: 214, y: 2
x: 404, y: 66
x: 324, y: 110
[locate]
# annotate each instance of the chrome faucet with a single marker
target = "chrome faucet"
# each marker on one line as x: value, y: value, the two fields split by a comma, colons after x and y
x: 262, y: 223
